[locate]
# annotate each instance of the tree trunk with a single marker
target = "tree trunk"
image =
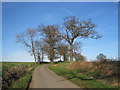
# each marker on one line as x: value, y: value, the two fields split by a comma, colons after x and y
x: 34, y: 56
x: 33, y: 51
x: 71, y: 52
x: 39, y: 58
x: 64, y: 57
x: 42, y: 57
x: 52, y: 54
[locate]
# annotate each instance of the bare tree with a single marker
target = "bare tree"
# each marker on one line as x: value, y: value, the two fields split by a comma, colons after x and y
x: 62, y: 50
x: 74, y: 28
x: 77, y: 47
x: 78, y: 57
x: 27, y: 38
x: 50, y: 36
x: 40, y: 49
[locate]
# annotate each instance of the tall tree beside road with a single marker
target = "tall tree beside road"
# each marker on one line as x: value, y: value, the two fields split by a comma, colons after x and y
x: 74, y: 28
x: 50, y: 36
x: 28, y: 39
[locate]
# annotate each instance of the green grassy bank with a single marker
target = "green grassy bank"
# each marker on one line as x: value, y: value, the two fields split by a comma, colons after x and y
x: 79, y: 78
x: 17, y: 74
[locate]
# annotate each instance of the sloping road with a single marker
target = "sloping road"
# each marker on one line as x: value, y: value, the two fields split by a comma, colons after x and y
x: 45, y: 78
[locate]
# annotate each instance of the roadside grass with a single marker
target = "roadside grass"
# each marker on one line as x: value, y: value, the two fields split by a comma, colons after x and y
x: 91, y: 83
x: 22, y: 82
x: 76, y: 77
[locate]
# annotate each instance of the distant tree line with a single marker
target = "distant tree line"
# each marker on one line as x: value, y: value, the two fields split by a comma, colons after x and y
x: 58, y: 41
x: 102, y: 58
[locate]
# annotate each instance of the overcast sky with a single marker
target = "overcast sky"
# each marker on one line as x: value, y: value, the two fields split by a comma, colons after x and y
x: 17, y: 17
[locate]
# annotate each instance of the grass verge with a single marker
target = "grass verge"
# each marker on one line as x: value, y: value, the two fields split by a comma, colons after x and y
x: 22, y: 82
x: 76, y: 77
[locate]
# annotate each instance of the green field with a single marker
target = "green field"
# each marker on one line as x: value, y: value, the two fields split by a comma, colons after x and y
x: 16, y: 74
x: 79, y: 78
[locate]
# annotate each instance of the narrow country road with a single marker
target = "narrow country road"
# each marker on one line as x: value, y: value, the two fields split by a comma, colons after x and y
x: 45, y: 78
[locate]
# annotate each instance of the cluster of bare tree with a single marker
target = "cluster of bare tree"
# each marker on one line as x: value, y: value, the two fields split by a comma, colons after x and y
x: 58, y: 40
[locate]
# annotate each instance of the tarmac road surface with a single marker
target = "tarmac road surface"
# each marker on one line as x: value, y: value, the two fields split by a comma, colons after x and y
x: 44, y: 78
